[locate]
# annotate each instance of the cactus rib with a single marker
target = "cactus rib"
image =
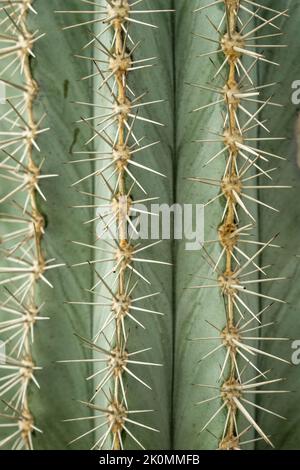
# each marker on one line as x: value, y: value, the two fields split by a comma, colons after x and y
x: 24, y: 262
x: 235, y: 268
x: 116, y: 128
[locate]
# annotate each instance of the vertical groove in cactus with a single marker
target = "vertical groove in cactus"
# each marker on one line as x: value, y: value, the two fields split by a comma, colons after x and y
x: 119, y: 263
x: 235, y: 272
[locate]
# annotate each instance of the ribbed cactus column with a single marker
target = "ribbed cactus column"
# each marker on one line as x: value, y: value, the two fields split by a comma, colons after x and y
x: 24, y: 264
x: 236, y: 273
x: 122, y: 113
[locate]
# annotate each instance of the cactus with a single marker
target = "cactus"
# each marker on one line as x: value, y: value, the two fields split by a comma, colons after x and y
x: 99, y: 100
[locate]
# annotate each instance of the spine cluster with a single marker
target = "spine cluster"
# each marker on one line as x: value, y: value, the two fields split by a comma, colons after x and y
x: 23, y: 262
x: 242, y: 34
x: 115, y: 129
